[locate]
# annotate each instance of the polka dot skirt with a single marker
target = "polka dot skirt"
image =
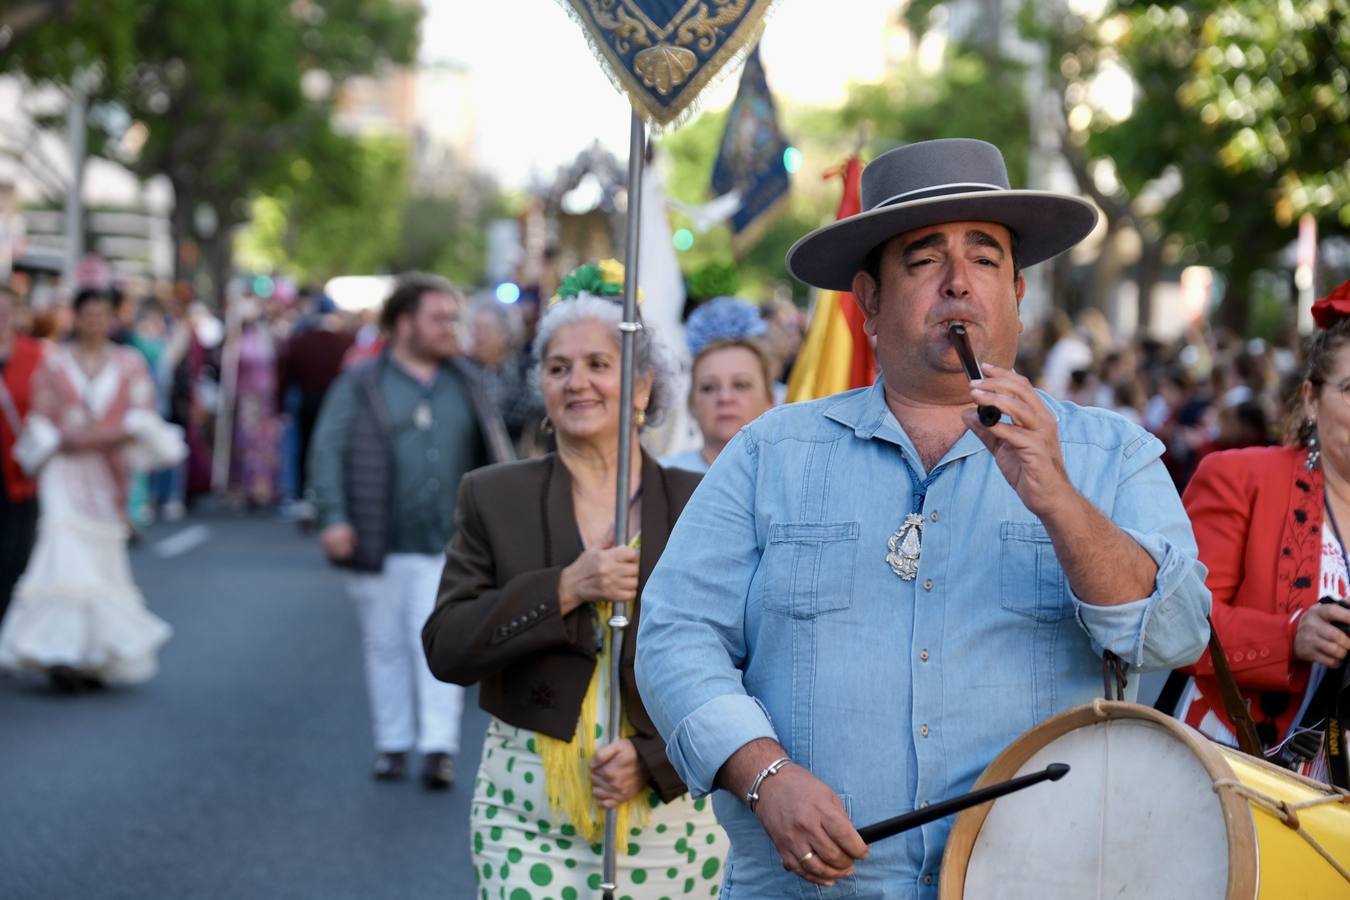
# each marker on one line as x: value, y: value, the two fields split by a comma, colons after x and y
x: 521, y: 852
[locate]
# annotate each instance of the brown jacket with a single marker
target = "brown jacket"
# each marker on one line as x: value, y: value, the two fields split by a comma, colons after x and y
x: 497, y: 617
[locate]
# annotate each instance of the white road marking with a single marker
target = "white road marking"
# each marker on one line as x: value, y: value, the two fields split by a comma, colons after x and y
x: 182, y: 541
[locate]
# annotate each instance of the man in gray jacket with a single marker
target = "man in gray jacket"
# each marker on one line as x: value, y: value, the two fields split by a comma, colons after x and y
x: 394, y: 436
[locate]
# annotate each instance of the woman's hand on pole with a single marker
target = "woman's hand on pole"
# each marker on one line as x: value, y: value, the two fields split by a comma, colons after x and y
x: 617, y: 774
x: 598, y: 575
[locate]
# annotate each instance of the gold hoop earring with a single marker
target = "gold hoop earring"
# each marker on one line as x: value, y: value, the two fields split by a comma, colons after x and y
x: 640, y: 418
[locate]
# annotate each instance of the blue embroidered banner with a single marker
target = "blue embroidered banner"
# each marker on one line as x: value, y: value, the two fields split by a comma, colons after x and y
x: 751, y: 160
x: 662, y: 53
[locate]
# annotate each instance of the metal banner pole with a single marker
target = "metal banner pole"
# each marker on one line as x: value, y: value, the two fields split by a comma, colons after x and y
x: 629, y: 327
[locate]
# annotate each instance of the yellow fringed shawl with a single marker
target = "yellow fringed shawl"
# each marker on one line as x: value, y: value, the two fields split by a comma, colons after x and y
x: 567, y: 764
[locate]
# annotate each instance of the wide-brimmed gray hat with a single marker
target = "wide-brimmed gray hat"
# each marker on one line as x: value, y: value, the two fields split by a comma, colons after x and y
x: 929, y: 183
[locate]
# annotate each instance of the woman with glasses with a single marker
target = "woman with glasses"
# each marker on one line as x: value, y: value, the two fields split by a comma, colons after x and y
x: 1271, y: 524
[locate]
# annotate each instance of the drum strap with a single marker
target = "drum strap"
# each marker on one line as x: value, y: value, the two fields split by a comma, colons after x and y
x: 1115, y: 675
x: 1233, y: 704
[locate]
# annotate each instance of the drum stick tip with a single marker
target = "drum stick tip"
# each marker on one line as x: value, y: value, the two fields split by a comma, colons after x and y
x: 1056, y: 771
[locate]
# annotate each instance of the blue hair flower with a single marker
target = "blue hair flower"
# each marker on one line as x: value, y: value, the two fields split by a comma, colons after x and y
x: 722, y: 319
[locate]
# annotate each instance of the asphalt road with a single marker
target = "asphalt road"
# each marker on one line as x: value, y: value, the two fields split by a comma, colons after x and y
x: 242, y: 770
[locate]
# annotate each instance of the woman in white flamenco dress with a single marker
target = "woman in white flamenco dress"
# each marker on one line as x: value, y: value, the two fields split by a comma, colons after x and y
x: 77, y: 615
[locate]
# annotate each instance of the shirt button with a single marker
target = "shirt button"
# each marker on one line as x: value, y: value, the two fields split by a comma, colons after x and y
x: 928, y: 584
x: 933, y: 515
x: 928, y: 879
x: 923, y: 805
x: 1265, y: 651
x: 1251, y: 655
x: 923, y: 730
x: 923, y: 655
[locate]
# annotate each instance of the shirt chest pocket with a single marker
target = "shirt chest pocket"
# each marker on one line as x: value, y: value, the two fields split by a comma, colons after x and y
x: 1031, y: 581
x: 808, y: 567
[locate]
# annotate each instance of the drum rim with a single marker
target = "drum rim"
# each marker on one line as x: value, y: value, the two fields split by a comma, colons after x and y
x: 1237, y: 815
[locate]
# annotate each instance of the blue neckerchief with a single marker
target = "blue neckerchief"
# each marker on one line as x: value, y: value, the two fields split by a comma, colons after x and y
x: 920, y: 487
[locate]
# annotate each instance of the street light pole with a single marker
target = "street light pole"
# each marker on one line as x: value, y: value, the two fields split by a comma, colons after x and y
x: 75, y: 147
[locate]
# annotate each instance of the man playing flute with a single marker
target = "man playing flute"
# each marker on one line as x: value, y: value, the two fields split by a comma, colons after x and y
x: 872, y: 594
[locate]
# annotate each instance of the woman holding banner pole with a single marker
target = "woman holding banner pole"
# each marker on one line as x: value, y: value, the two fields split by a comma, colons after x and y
x: 523, y: 610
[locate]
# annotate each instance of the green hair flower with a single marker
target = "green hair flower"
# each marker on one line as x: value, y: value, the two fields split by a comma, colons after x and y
x: 599, y: 280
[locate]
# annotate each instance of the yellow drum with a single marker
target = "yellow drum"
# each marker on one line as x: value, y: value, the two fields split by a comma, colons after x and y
x: 1151, y: 809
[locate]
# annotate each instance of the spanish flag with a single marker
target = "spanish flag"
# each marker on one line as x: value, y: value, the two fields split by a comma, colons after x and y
x: 836, y: 354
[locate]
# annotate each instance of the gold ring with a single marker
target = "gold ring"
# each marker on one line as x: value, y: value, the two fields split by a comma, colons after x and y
x: 807, y: 857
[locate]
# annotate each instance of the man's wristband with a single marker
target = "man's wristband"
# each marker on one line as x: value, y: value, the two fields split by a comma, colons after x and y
x: 773, y: 768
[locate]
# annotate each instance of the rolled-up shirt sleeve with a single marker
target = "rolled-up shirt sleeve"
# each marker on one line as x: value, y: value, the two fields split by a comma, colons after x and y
x: 691, y: 637
x: 1169, y: 628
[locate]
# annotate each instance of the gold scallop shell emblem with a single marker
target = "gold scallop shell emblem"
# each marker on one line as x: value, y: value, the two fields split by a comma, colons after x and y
x: 664, y: 67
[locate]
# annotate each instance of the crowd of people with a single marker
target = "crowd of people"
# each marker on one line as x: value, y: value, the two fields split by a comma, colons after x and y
x: 459, y: 461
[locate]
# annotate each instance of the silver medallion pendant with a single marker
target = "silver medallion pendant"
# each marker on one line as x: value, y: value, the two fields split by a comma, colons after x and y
x: 422, y: 416
x: 905, y: 548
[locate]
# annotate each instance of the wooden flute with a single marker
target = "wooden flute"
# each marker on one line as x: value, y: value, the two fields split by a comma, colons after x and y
x: 989, y: 415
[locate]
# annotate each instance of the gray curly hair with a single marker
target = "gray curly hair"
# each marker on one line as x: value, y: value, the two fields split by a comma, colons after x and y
x: 649, y: 355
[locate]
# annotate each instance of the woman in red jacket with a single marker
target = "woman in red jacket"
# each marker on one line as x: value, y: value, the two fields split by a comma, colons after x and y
x: 1270, y: 523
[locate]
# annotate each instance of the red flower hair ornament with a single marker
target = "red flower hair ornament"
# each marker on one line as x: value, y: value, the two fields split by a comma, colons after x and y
x: 1333, y: 307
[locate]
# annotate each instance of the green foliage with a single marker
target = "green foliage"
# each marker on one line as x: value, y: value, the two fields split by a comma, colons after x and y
x: 713, y: 279
x: 918, y: 15
x: 971, y: 95
x: 1271, y: 81
x: 1243, y: 103
x: 52, y: 40
x: 448, y: 234
x: 216, y: 86
x: 340, y: 212
x: 346, y: 207
x: 217, y: 82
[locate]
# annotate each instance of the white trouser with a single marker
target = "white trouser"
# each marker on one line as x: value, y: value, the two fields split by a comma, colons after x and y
x: 393, y: 606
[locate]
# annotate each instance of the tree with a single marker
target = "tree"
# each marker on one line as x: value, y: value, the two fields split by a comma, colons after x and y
x: 337, y: 211
x: 217, y: 86
x: 975, y: 93
x: 447, y: 234
x: 51, y: 39
x: 1239, y: 125
x: 347, y: 207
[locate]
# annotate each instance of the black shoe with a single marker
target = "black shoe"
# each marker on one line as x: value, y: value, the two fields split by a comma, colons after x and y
x: 91, y: 682
x: 65, y: 679
x: 390, y: 766
x: 438, y: 771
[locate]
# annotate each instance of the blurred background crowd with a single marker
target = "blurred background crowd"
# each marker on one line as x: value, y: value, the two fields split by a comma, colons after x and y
x: 248, y: 398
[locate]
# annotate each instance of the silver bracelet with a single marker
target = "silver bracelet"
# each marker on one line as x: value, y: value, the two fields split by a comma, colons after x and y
x: 773, y: 768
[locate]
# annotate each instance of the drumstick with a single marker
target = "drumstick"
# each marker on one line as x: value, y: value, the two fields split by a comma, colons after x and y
x: 875, y: 832
x: 989, y: 415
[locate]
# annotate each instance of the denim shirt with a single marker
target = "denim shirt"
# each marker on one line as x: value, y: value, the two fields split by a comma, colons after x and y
x: 773, y: 613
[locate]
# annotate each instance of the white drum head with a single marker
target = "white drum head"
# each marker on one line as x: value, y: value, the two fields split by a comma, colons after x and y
x: 1136, y: 817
